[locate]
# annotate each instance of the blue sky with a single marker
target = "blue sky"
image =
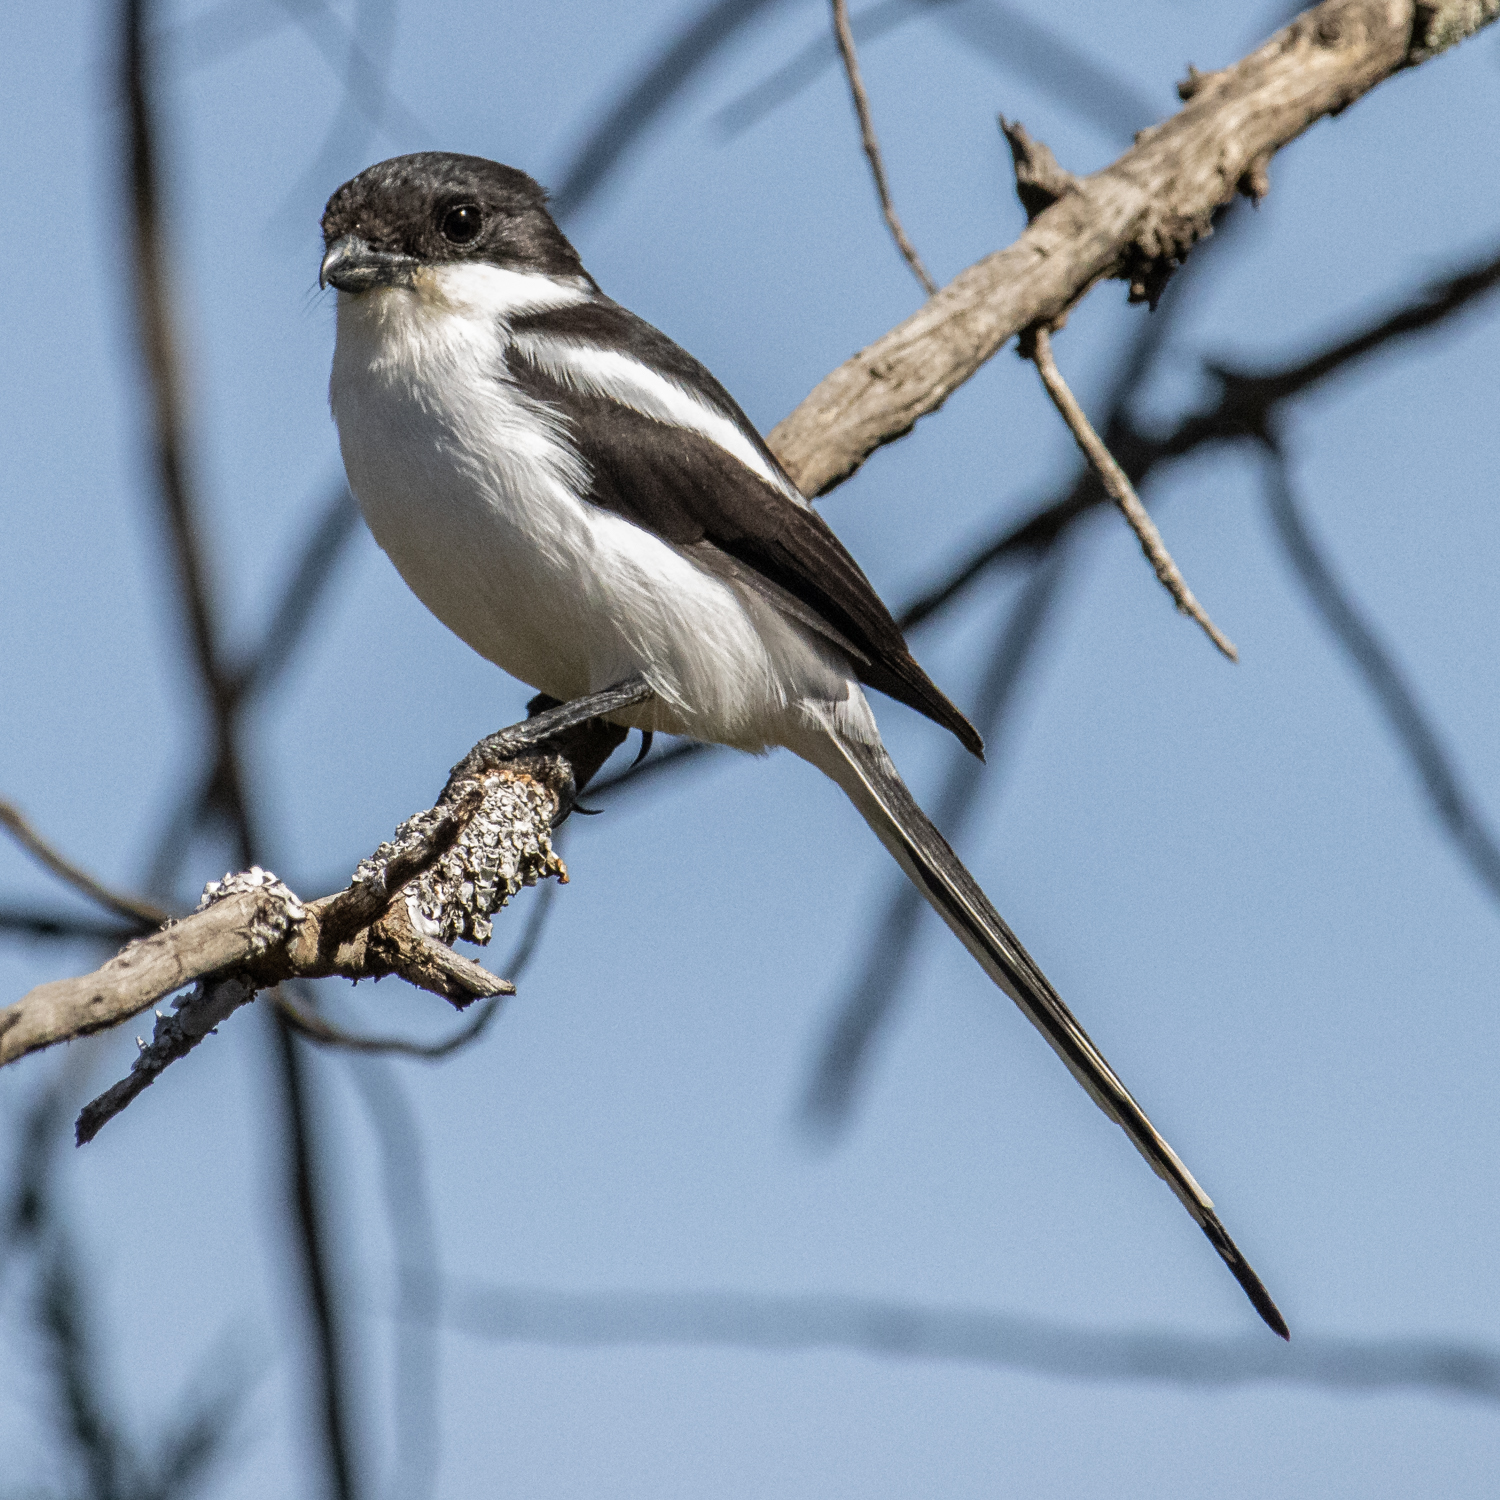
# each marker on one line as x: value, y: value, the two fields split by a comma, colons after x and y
x: 1230, y: 872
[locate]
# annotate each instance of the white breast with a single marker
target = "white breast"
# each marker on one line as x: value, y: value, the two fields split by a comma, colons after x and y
x: 472, y: 489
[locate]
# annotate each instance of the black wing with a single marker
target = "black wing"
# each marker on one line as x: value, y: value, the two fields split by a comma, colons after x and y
x: 683, y: 487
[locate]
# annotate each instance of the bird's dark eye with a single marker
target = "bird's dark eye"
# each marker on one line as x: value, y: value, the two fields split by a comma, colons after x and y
x: 461, y: 225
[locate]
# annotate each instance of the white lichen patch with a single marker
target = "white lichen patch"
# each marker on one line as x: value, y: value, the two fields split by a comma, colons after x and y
x: 504, y: 847
x: 274, y: 918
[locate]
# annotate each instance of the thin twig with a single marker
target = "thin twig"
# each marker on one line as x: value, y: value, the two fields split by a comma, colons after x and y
x: 1000, y: 34
x: 194, y: 1017
x: 142, y: 915
x: 791, y: 77
x: 316, y: 1028
x: 844, y: 35
x: 460, y: 861
x: 1036, y: 345
x: 64, y: 925
x: 311, y: 1240
x: 1244, y: 406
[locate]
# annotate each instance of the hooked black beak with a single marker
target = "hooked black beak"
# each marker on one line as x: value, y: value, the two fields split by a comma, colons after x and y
x: 354, y: 266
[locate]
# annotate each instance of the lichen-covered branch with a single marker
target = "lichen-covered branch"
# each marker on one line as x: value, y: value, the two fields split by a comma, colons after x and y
x: 1136, y: 219
x: 443, y: 875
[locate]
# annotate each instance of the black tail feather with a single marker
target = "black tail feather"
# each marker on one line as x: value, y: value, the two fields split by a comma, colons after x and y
x: 876, y: 788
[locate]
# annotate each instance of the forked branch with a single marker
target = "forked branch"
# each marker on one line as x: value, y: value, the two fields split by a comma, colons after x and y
x: 443, y: 876
x: 1135, y: 219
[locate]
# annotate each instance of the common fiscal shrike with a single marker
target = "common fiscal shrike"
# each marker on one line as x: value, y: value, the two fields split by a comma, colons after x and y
x: 582, y: 502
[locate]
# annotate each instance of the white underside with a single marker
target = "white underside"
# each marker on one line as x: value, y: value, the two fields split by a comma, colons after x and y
x: 471, y: 489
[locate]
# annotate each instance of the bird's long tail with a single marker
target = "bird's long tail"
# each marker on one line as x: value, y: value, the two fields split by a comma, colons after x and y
x: 872, y: 783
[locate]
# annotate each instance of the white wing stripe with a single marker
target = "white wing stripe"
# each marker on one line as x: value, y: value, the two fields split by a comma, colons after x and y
x: 615, y: 375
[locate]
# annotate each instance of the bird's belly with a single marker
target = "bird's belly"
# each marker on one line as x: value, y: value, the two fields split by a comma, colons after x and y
x: 466, y: 558
x: 478, y: 508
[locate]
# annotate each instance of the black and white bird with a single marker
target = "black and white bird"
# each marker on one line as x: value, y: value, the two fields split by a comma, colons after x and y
x: 581, y: 501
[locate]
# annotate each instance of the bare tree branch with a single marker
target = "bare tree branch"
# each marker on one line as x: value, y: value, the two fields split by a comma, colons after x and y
x: 857, y: 1024
x: 1144, y: 346
x: 1454, y: 806
x: 225, y: 779
x: 1244, y: 408
x: 303, y: 591
x: 448, y: 869
x: 999, y: 33
x: 845, y: 38
x: 409, y: 1213
x: 142, y: 915
x: 1036, y: 345
x: 1136, y: 219
x: 65, y: 926
x: 907, y: 1331
x: 624, y: 122
x: 194, y: 1016
x: 316, y: 1028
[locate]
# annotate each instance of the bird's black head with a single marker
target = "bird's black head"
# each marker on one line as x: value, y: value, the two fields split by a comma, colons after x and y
x: 434, y: 209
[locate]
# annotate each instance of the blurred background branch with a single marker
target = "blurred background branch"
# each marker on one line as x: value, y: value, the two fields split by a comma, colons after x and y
x: 98, y: 1456
x: 226, y: 794
x: 898, y: 1330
